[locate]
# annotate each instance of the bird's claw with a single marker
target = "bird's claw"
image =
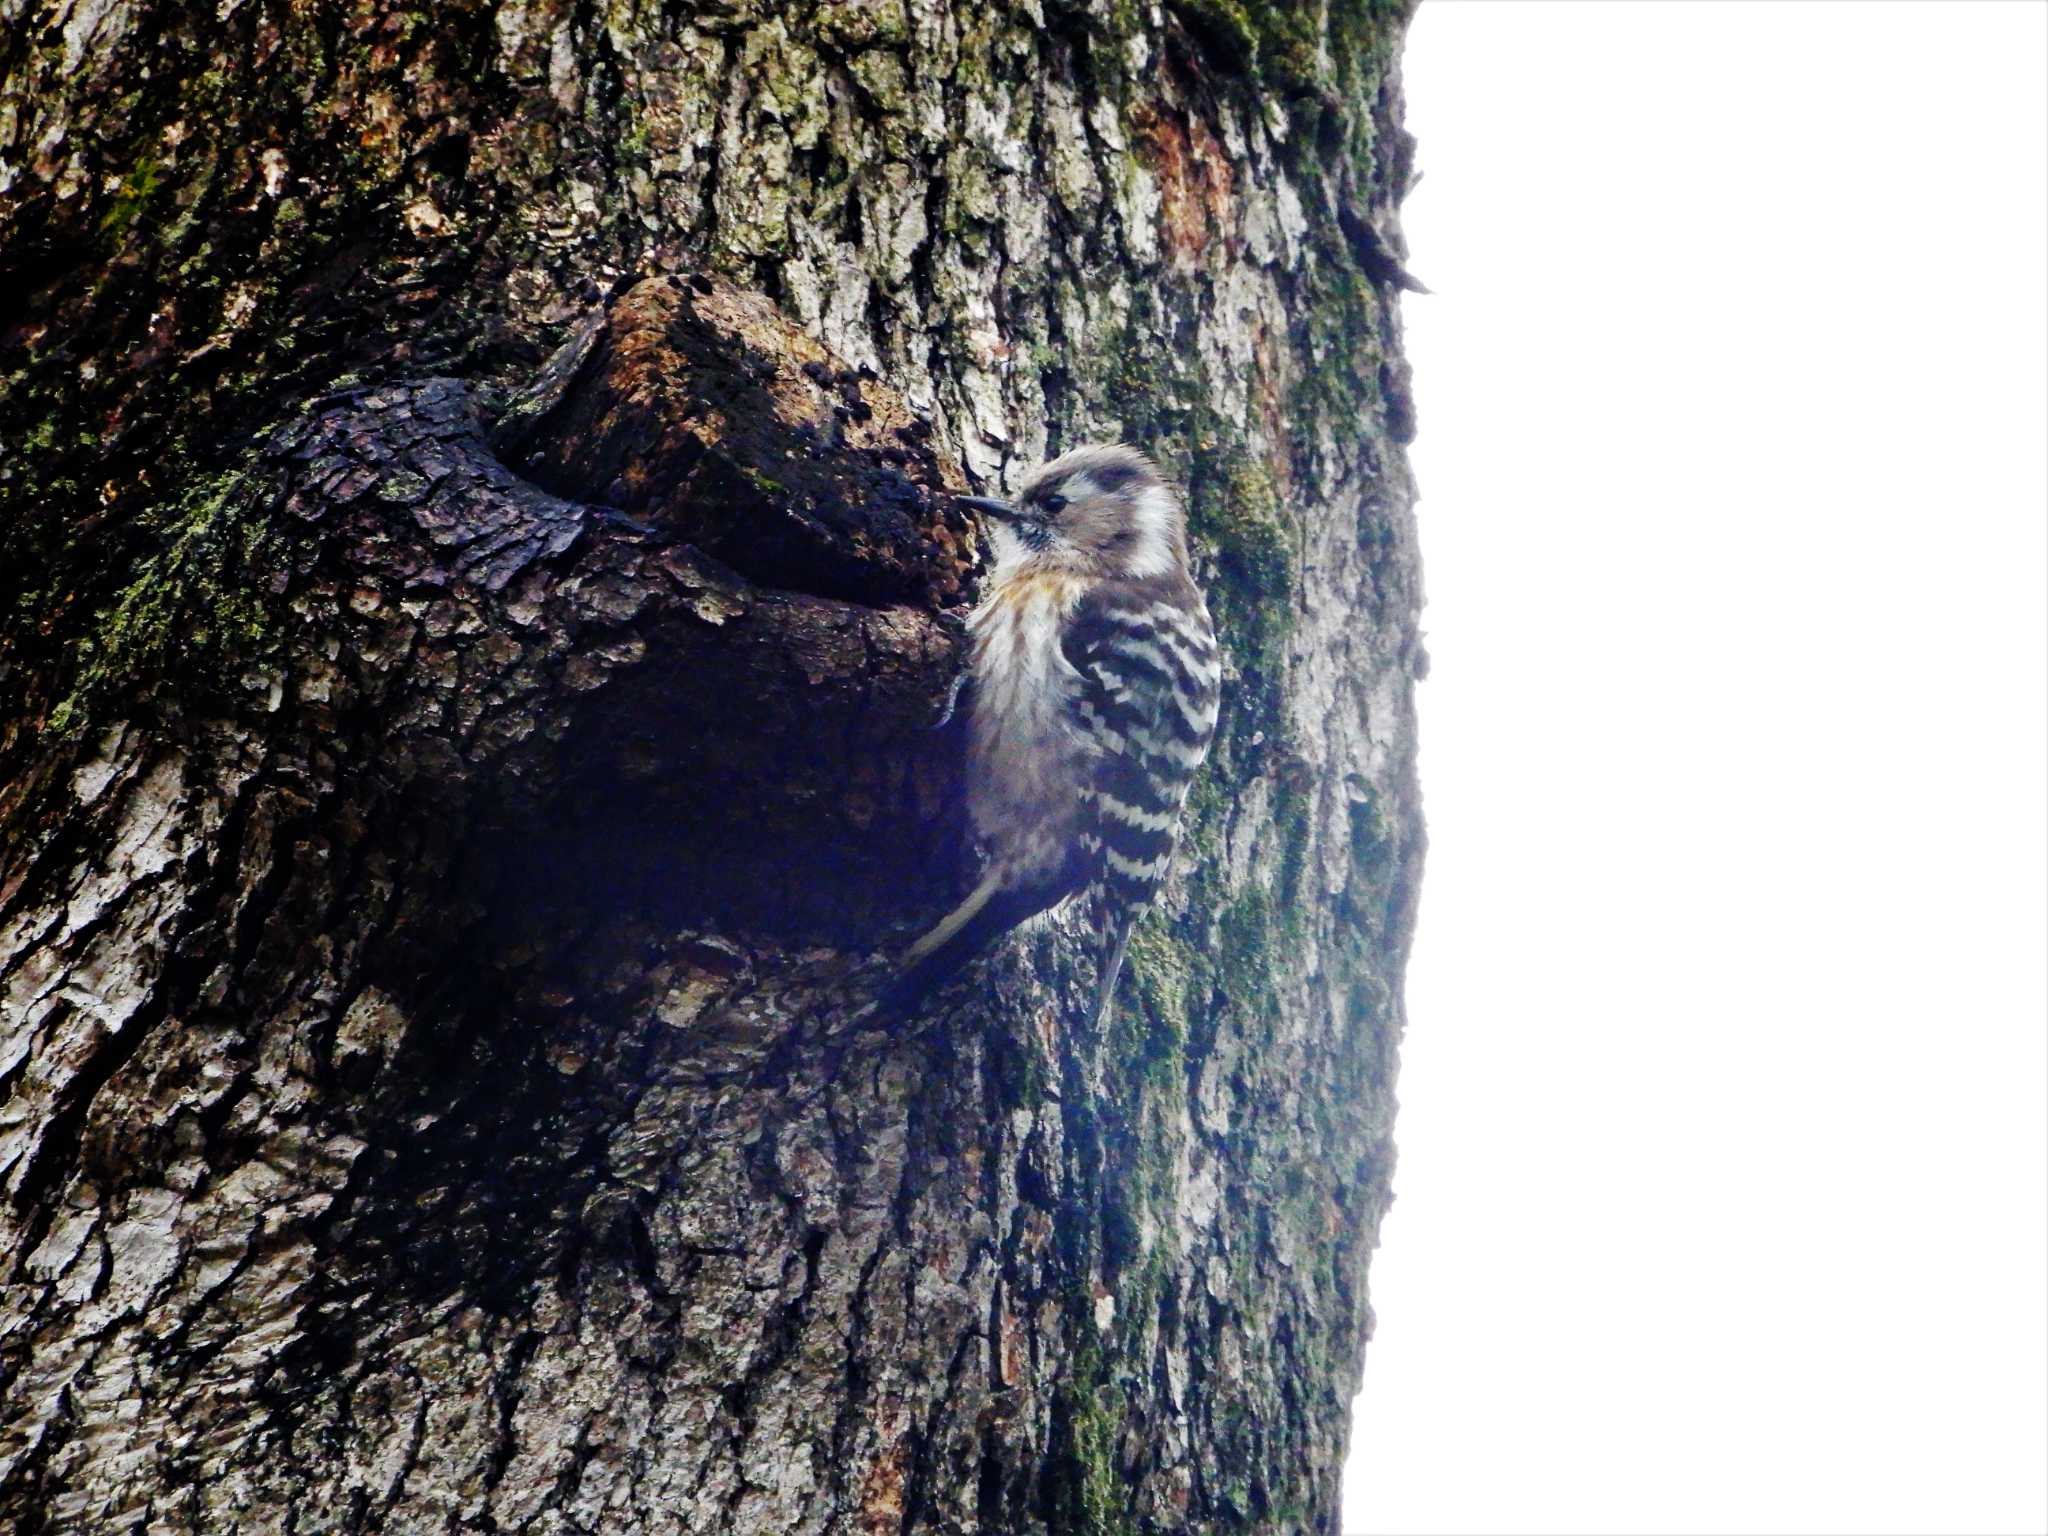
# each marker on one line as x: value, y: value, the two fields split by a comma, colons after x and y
x: 952, y: 703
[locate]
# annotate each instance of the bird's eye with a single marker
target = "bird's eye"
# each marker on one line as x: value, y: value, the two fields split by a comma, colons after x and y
x: 1055, y: 503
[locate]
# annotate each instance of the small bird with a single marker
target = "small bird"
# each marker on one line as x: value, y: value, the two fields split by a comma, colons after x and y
x: 1093, y: 674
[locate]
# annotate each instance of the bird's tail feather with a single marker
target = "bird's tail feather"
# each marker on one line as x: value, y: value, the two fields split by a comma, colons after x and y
x: 949, y: 926
x: 987, y: 913
x: 1115, y: 940
x: 985, y: 916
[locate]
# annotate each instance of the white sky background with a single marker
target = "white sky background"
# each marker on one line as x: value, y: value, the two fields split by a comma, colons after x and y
x: 1723, y: 1193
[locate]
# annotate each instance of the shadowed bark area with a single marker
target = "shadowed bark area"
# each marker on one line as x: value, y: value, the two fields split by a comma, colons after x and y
x: 477, y: 576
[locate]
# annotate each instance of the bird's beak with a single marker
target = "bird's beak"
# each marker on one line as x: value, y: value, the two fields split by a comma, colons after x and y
x: 991, y: 506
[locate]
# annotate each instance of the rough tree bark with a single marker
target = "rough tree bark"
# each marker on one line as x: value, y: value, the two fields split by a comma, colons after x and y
x: 476, y: 577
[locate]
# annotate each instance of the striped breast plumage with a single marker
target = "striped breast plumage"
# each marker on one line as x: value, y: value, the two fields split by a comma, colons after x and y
x: 1095, y: 675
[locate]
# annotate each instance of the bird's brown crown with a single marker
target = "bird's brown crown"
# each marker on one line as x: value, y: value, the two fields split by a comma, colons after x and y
x: 1101, y: 511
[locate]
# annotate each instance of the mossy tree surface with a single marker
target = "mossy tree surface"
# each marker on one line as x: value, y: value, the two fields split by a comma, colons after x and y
x: 476, y: 573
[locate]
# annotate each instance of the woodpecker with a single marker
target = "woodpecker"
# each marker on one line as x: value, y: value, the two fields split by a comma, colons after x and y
x: 1093, y: 678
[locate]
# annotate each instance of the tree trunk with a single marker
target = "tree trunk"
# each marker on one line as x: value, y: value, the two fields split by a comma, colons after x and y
x: 478, y: 575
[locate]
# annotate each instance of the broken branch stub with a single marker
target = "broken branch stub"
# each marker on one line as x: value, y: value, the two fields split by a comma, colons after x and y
x: 698, y: 408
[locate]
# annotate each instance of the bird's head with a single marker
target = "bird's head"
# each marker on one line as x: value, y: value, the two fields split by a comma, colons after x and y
x: 1101, y: 511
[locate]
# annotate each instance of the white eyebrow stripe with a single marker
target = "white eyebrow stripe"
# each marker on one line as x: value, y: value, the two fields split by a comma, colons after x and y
x: 1153, y: 516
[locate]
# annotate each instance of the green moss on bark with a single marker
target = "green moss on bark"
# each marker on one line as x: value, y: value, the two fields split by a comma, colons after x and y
x: 1091, y: 1498
x: 1236, y: 517
x: 189, y: 613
